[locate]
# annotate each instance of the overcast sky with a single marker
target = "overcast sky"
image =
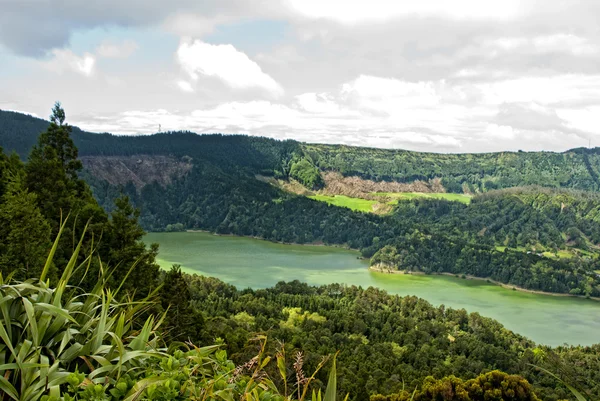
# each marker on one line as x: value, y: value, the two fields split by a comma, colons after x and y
x: 434, y: 75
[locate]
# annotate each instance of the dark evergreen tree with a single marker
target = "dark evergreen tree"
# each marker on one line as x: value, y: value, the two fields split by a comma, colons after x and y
x: 124, y: 250
x: 183, y: 322
x: 24, y: 233
x: 52, y: 170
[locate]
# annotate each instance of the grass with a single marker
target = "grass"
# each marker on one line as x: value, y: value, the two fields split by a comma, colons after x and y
x: 560, y: 254
x: 466, y: 199
x: 367, y: 205
x: 356, y: 204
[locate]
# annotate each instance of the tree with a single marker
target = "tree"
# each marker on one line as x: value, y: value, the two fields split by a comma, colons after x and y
x: 122, y: 247
x: 492, y: 386
x: 52, y: 170
x: 183, y: 322
x: 24, y: 233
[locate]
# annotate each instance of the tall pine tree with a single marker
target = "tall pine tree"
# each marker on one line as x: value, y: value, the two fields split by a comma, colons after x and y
x: 24, y: 233
x: 52, y: 170
x: 52, y: 174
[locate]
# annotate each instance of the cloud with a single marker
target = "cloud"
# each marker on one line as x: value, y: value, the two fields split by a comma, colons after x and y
x: 116, y: 50
x: 185, y: 86
x: 529, y: 116
x: 387, y: 112
x: 65, y: 60
x: 554, y: 90
x: 388, y: 94
x: 430, y: 75
x: 192, y: 25
x: 226, y: 63
x: 318, y: 103
x: 357, y: 11
x: 496, y: 131
x: 33, y: 27
x: 544, y: 44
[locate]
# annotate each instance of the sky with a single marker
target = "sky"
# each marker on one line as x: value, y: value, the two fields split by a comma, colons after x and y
x: 427, y: 75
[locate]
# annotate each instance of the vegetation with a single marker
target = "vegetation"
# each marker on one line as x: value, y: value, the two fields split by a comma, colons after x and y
x: 380, y: 202
x: 36, y: 196
x: 490, y: 386
x: 357, y: 204
x: 398, y: 196
x: 61, y: 343
x: 306, y: 173
x: 390, y: 344
x: 469, y: 173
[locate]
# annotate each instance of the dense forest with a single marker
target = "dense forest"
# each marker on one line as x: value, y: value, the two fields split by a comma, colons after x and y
x: 388, y: 344
x: 86, y: 314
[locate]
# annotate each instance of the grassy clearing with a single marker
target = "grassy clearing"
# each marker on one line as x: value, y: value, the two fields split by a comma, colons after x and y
x: 466, y: 199
x: 356, y: 204
x: 560, y: 254
x: 367, y: 205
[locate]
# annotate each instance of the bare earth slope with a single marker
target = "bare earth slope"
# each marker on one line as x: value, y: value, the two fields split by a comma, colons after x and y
x: 139, y: 169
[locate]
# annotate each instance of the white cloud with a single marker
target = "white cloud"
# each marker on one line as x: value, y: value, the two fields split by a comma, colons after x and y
x: 543, y: 44
x: 495, y: 131
x: 585, y: 119
x: 65, y: 60
x: 558, y: 89
x: 565, y: 42
x: 389, y: 94
x: 231, y: 66
x: 319, y: 103
x: 347, y: 115
x: 116, y: 50
x: 185, y: 86
x: 359, y: 11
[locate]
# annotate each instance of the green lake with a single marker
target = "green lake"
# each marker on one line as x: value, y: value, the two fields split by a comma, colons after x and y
x: 246, y: 262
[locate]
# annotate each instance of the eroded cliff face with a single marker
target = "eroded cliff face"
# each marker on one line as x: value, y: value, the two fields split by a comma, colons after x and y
x: 139, y: 169
x: 336, y: 184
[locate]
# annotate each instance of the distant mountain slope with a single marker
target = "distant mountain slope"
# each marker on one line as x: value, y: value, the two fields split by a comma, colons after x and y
x: 463, y: 172
x: 577, y: 168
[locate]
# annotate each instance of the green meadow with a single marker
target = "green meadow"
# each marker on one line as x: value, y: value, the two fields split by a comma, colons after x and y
x: 356, y: 204
x: 367, y: 205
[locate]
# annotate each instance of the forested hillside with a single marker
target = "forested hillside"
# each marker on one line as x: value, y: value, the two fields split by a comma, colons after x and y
x: 577, y: 168
x: 186, y: 181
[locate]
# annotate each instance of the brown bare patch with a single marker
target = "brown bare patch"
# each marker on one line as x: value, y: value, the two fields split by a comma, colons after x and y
x: 139, y: 169
x: 356, y: 187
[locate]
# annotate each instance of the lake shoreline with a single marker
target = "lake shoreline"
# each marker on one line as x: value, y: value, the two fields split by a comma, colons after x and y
x: 319, y: 243
x: 488, y: 280
x: 247, y: 263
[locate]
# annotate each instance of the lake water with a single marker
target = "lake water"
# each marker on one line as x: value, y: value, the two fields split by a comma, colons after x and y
x: 246, y: 262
